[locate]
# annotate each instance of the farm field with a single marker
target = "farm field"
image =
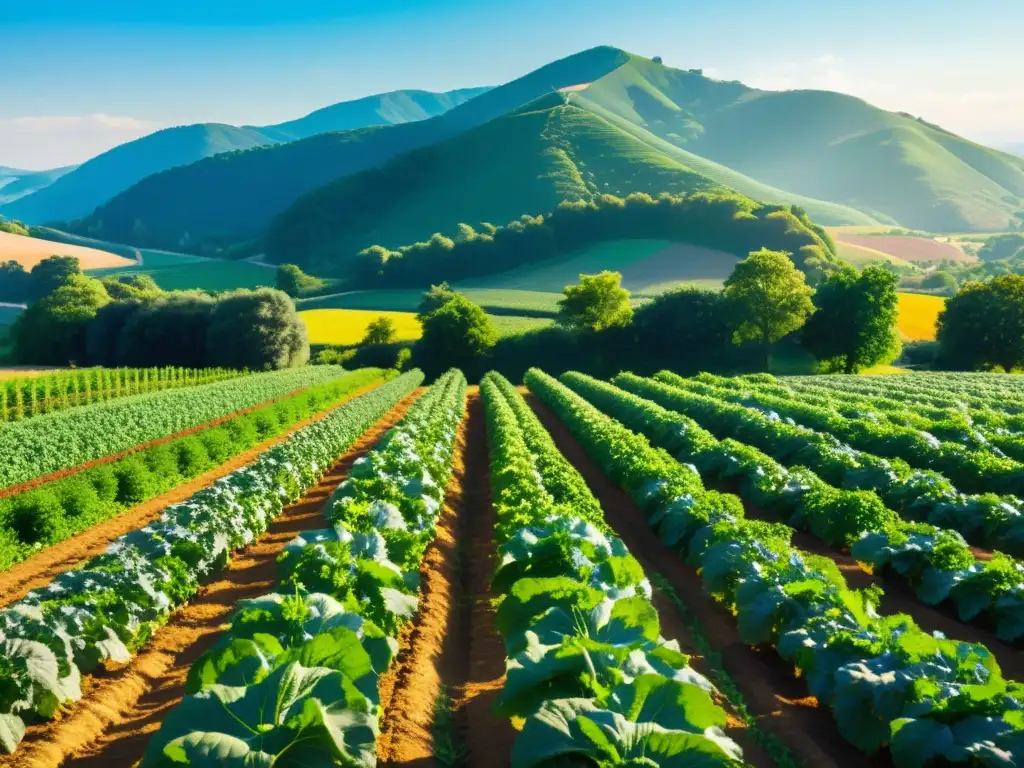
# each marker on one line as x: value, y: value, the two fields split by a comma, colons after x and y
x: 918, y: 315
x: 348, y: 326
x: 471, y: 570
x: 917, y: 250
x: 174, y: 272
x: 29, y: 251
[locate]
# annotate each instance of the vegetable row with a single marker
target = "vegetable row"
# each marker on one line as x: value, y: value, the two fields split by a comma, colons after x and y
x: 973, y: 470
x: 886, y: 682
x: 937, y: 562
x: 587, y: 667
x: 38, y: 518
x: 26, y: 396
x: 110, y: 607
x: 987, y: 520
x: 65, y: 439
x: 294, y: 679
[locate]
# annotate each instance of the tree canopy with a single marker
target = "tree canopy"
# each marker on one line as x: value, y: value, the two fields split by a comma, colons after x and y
x: 770, y: 297
x: 596, y: 303
x: 259, y: 330
x: 296, y: 283
x: 52, y: 331
x: 382, y: 330
x: 854, y: 325
x: 983, y: 326
x: 458, y: 333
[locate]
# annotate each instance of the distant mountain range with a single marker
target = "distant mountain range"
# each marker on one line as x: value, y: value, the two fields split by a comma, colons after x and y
x: 16, y: 183
x: 79, y: 190
x: 396, y: 168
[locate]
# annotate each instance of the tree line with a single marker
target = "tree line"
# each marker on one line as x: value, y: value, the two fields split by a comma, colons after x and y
x: 126, y: 320
x: 729, y: 223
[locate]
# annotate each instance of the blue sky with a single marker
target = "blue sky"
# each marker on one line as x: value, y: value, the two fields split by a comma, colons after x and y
x: 80, y: 77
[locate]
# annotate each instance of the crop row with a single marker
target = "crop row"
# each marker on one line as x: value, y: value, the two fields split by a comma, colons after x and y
x: 26, y: 396
x: 937, y: 562
x: 886, y: 682
x: 982, y: 430
x: 110, y: 607
x: 46, y: 444
x: 587, y: 667
x: 985, y: 519
x: 952, y: 390
x: 973, y: 470
x: 43, y: 516
x: 294, y: 680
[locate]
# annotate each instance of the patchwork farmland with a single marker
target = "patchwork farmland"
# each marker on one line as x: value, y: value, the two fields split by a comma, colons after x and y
x: 330, y: 567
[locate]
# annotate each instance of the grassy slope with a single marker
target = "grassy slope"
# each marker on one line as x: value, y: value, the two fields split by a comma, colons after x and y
x: 237, y: 195
x: 547, y: 154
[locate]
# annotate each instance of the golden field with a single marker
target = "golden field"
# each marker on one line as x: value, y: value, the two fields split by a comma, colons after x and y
x: 29, y: 251
x: 918, y: 315
x: 341, y: 327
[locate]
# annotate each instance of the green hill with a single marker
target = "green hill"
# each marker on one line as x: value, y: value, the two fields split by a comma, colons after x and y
x: 15, y: 183
x: 234, y: 197
x: 525, y: 162
x: 77, y: 194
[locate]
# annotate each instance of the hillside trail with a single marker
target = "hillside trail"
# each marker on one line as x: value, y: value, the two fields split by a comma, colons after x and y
x: 121, y: 709
x: 40, y: 569
x: 899, y: 597
x: 436, y: 697
x: 778, y: 701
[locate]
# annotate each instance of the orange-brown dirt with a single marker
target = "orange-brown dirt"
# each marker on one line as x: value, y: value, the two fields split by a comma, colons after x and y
x: 774, y: 696
x: 44, y: 479
x: 899, y: 598
x: 40, y: 569
x: 121, y: 709
x: 487, y: 737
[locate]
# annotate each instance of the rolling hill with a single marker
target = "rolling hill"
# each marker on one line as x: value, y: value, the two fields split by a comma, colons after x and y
x: 78, y: 193
x: 233, y: 197
x: 15, y: 183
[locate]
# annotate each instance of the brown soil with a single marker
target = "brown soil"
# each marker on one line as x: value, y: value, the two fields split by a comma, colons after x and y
x: 40, y: 569
x: 487, y: 737
x: 775, y: 697
x: 433, y: 651
x: 11, y: 490
x: 113, y: 722
x: 899, y: 598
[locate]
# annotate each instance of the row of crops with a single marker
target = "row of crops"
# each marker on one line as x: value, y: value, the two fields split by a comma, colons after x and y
x: 22, y: 397
x: 106, y: 610
x: 295, y: 676
x: 40, y: 517
x: 886, y: 681
x: 587, y: 666
x: 47, y: 444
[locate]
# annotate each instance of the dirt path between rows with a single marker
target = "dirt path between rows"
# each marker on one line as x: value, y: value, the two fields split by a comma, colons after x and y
x: 12, y: 490
x: 900, y: 598
x: 39, y: 570
x: 487, y: 737
x: 121, y: 710
x: 776, y: 698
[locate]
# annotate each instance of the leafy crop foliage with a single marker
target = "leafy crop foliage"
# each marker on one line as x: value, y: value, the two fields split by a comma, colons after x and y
x: 109, y: 608
x: 587, y: 666
x: 34, y: 519
x: 729, y: 223
x: 22, y: 397
x: 886, y: 682
x: 57, y: 441
x: 294, y: 680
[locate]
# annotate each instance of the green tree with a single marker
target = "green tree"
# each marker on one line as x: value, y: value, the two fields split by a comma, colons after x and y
x: 14, y: 282
x: 381, y: 331
x: 51, y: 273
x: 597, y: 303
x: 131, y: 286
x: 458, y: 334
x: 854, y: 325
x: 983, y: 326
x: 52, y: 331
x: 259, y: 330
x: 293, y: 281
x: 770, y: 296
x: 434, y: 299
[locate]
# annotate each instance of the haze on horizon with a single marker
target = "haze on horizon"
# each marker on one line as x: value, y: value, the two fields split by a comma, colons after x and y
x: 110, y: 71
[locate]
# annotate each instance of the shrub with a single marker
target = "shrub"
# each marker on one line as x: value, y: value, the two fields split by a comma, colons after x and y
x: 37, y: 517
x: 104, y: 481
x: 217, y: 443
x: 79, y: 499
x: 162, y: 461
x: 192, y: 457
x: 135, y: 483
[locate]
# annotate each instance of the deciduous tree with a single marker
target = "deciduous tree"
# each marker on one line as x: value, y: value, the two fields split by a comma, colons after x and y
x: 983, y: 326
x: 458, y: 333
x: 596, y: 303
x: 381, y: 331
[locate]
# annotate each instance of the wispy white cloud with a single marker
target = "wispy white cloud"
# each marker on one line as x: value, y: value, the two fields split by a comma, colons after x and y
x: 47, y: 141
